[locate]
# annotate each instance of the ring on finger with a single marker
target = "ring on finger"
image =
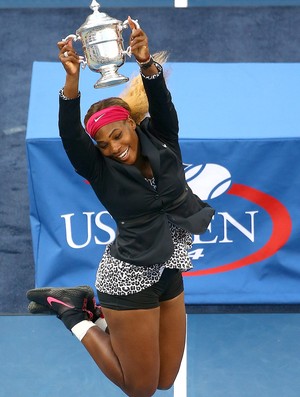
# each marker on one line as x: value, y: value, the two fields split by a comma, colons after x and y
x: 66, y: 54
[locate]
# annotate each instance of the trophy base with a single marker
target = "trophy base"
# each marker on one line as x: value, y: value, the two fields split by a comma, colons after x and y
x: 110, y: 79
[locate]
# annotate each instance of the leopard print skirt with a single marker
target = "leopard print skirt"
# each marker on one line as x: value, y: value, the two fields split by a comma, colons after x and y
x: 116, y: 277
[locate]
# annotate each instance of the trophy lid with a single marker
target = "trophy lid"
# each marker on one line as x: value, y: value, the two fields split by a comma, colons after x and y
x: 97, y: 18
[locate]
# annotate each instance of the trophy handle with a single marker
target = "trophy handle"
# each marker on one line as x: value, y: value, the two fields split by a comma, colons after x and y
x: 74, y: 37
x: 125, y: 25
x: 127, y: 51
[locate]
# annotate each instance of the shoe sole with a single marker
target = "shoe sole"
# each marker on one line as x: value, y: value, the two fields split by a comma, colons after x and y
x: 35, y: 295
x: 38, y: 308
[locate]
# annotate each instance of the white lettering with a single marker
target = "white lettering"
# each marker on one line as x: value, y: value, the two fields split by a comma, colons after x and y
x: 196, y: 254
x: 103, y: 225
x: 197, y: 239
x: 105, y: 228
x: 229, y: 219
x: 68, y: 226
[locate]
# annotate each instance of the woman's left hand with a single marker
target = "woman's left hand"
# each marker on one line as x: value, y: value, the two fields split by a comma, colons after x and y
x: 138, y: 42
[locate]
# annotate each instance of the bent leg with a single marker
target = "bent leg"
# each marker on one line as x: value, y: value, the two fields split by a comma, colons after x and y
x: 129, y: 356
x: 172, y: 339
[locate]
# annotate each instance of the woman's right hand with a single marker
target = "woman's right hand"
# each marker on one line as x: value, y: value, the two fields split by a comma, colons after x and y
x: 71, y: 62
x: 69, y: 57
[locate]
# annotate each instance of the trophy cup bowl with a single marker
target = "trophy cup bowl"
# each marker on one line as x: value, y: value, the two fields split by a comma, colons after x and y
x: 102, y: 43
x: 104, y: 54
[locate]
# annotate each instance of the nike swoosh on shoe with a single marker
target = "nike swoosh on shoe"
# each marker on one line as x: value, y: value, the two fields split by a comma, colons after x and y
x: 51, y: 300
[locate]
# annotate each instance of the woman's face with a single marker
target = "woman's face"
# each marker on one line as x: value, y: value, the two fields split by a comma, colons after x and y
x: 119, y: 141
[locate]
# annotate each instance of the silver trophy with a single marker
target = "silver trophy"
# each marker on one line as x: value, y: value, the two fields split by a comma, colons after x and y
x: 102, y: 43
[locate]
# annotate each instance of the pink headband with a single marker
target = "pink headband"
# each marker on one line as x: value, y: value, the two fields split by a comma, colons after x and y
x: 104, y: 117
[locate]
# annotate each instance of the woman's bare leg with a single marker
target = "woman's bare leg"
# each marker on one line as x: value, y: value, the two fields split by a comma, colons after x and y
x: 144, y: 349
x: 171, y: 339
x: 129, y: 356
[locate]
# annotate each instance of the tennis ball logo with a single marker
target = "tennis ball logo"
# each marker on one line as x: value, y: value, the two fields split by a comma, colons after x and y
x: 207, y: 181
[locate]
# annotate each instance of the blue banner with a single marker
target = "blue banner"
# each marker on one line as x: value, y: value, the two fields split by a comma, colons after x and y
x: 250, y: 254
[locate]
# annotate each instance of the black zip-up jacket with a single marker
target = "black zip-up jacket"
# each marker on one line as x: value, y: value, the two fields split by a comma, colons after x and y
x: 141, y: 212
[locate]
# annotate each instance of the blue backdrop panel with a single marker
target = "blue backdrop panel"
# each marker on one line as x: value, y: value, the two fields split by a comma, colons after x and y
x: 240, y: 142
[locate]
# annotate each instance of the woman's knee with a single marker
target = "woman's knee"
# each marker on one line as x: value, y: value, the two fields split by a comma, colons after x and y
x: 165, y: 385
x: 141, y: 390
x: 166, y: 381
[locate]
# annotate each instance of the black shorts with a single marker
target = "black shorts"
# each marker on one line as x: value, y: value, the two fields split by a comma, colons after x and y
x: 168, y: 287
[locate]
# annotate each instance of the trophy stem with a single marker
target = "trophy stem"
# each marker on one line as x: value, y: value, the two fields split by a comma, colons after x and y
x: 110, y: 77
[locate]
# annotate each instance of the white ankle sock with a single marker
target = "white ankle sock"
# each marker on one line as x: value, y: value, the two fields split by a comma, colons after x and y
x: 101, y: 323
x: 80, y: 329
